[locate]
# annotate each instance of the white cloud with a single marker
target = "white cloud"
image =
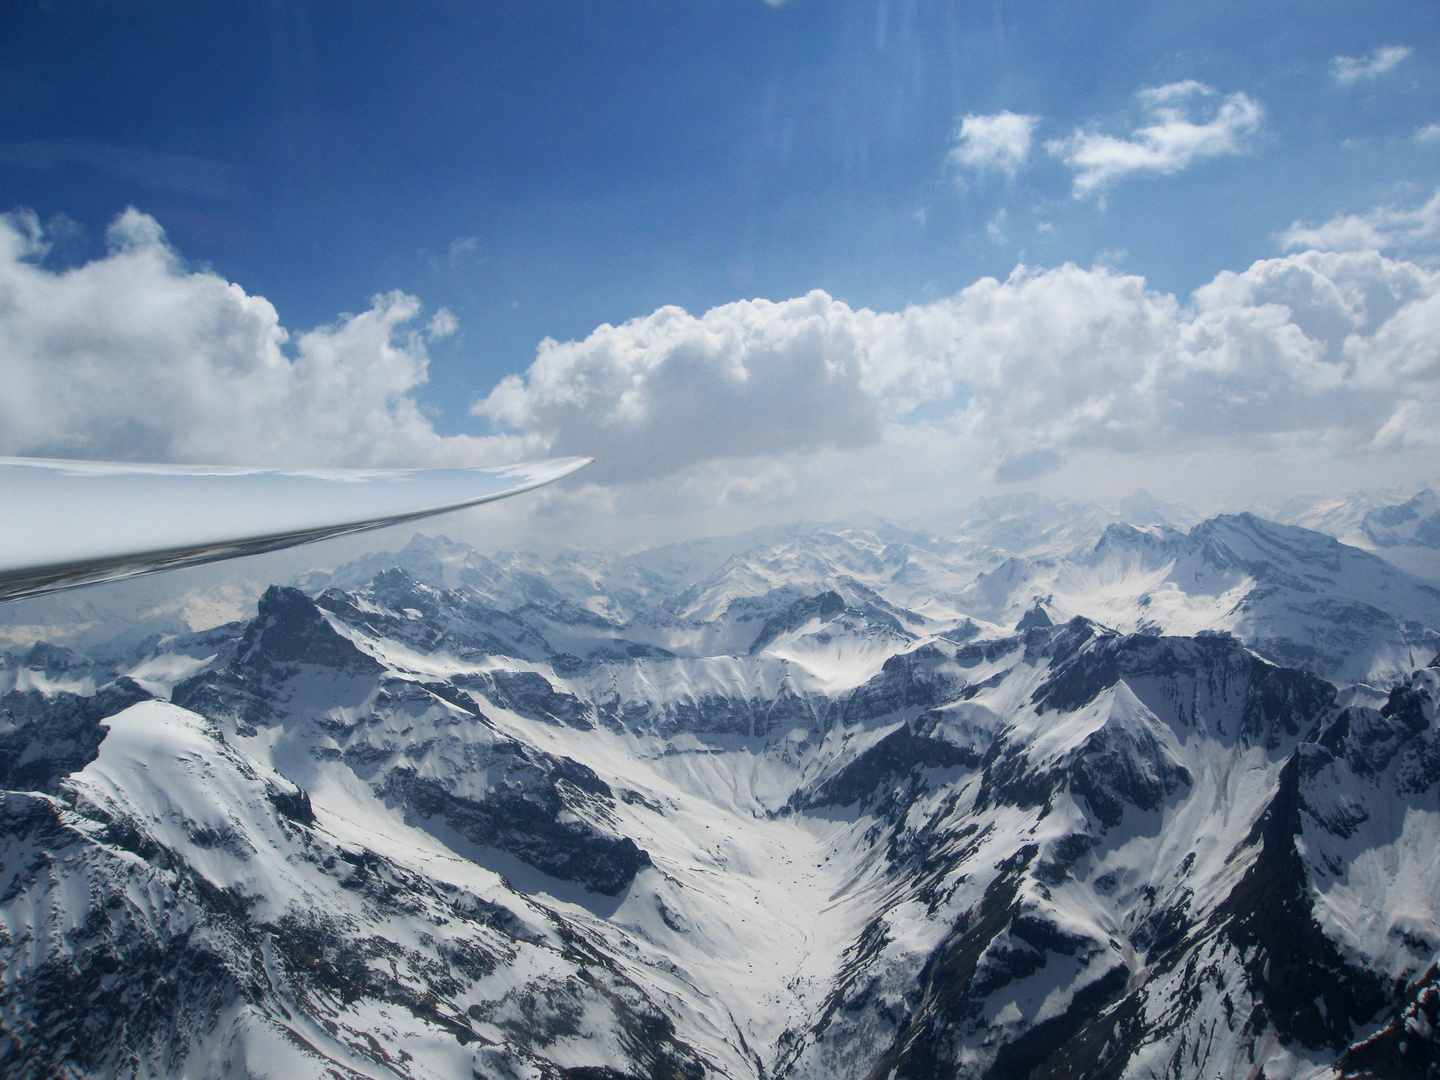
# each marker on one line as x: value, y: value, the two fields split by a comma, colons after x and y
x: 1335, y: 352
x: 442, y: 324
x: 995, y: 227
x: 1384, y: 228
x: 1174, y: 139
x: 1352, y: 69
x: 463, y: 248
x: 136, y: 356
x: 1314, y: 360
x: 667, y: 390
x: 1430, y: 133
x: 999, y: 142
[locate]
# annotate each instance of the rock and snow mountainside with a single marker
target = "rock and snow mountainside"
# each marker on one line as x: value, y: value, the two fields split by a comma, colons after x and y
x: 1404, y: 531
x: 857, y: 804
x: 1295, y: 596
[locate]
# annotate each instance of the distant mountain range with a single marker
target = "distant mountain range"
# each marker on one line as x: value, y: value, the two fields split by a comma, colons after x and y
x: 1050, y: 795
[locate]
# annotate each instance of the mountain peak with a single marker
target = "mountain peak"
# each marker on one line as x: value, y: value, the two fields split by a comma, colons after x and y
x: 1036, y: 618
x: 289, y: 628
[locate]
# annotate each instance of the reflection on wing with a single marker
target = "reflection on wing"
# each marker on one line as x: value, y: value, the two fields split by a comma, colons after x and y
x: 67, y: 523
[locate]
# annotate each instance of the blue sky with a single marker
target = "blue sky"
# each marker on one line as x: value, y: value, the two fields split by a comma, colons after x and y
x: 538, y: 169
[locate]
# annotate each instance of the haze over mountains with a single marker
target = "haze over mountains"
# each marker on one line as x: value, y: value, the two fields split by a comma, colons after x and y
x: 1046, y: 794
x: 1023, y: 525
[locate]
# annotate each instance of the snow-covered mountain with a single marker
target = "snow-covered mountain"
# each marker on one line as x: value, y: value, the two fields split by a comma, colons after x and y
x: 1404, y: 531
x: 1128, y: 801
x: 1296, y: 596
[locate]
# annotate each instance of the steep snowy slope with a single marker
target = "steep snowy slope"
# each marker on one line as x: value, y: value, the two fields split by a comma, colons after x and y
x: 180, y: 909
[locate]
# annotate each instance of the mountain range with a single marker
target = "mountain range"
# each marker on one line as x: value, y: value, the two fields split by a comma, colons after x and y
x: 1049, y: 794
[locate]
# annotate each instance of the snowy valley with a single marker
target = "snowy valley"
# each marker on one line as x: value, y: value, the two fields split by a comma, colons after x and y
x: 1051, y: 794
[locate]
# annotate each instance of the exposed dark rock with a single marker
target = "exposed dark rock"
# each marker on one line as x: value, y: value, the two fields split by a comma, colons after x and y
x: 920, y: 679
x: 1063, y: 855
x: 289, y: 629
x: 1037, y: 618
x: 288, y: 635
x: 1408, y: 1046
x: 1118, y: 766
x: 1299, y: 979
x: 1276, y: 704
x: 50, y: 736
x: 1048, y: 1049
x: 427, y: 618
x: 826, y: 607
x: 711, y: 714
x: 894, y: 757
x: 120, y: 994
x: 295, y: 805
x: 525, y: 822
x: 531, y: 695
x: 945, y: 1001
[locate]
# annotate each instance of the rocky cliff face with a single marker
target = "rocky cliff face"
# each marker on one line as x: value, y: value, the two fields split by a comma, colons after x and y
x: 783, y: 820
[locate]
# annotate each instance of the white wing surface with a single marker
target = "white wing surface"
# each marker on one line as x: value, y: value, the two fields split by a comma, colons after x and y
x: 68, y: 523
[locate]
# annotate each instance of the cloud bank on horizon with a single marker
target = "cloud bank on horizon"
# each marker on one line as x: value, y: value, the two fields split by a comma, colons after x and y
x: 1320, y: 355
x: 1338, y: 350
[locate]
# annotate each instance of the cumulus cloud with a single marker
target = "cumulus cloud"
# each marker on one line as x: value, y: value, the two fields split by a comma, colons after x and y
x: 442, y: 324
x: 135, y: 356
x: 1340, y: 349
x: 1176, y: 136
x: 1352, y: 69
x: 999, y: 142
x: 670, y: 389
x: 1384, y: 228
x: 1328, y: 357
x: 1430, y: 133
